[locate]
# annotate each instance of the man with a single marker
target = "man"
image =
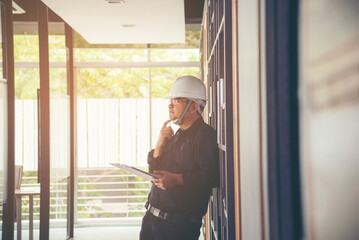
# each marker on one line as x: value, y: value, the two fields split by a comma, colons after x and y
x: 188, y: 164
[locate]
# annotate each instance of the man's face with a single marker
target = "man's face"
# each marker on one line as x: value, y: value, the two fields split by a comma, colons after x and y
x: 176, y: 107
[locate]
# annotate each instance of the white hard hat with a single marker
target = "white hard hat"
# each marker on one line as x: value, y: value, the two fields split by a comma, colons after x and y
x: 188, y: 87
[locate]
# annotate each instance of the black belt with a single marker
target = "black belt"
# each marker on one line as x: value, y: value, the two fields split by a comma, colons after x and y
x: 157, y: 212
x: 172, y: 217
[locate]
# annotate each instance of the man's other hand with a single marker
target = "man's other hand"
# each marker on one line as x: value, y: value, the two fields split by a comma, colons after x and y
x: 167, y: 180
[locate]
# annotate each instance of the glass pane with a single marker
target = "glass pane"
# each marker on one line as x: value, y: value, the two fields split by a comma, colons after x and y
x: 80, y: 42
x: 112, y: 83
x: 26, y: 84
x: 26, y: 48
x: 175, y: 55
x: 27, y: 81
x: 110, y: 55
x: 192, y: 41
x: 26, y: 126
x: 26, y: 132
x: 57, y: 49
x: 113, y: 126
x: 59, y: 139
x: 162, y: 80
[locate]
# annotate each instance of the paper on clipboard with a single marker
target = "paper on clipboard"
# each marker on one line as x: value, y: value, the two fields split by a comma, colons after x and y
x: 136, y: 171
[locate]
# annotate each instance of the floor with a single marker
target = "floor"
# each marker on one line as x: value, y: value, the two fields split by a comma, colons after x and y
x: 92, y: 233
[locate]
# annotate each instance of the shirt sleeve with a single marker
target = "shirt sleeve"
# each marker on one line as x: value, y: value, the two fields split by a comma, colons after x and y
x: 153, y: 163
x: 207, y: 157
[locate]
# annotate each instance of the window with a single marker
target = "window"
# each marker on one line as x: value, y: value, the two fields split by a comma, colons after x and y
x: 120, y: 105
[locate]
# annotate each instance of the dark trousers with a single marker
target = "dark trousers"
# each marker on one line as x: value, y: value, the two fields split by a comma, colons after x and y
x: 155, y: 228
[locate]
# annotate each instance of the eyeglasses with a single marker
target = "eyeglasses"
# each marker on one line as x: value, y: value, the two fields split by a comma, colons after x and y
x: 175, y: 101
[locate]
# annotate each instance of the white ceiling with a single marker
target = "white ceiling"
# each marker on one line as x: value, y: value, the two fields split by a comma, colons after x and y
x: 134, y: 21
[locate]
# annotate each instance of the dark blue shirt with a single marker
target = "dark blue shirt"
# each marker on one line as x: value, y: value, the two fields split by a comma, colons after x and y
x: 194, y: 154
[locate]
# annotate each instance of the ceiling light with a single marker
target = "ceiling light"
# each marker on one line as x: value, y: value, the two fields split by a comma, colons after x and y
x: 115, y: 1
x: 128, y: 25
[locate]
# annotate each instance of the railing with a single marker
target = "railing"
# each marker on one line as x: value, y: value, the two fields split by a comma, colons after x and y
x: 101, y: 193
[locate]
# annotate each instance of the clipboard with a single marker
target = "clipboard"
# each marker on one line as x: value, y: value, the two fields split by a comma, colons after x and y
x: 136, y: 171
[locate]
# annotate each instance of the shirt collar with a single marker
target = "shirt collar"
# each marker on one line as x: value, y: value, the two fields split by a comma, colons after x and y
x: 192, y: 128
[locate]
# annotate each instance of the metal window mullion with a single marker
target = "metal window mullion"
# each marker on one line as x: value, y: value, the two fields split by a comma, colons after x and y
x: 150, y: 91
x: 71, y: 86
x: 76, y: 160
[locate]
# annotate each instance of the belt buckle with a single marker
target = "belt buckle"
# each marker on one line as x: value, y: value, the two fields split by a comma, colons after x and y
x: 156, y: 212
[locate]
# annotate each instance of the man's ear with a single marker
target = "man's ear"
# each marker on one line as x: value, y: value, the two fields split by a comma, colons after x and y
x: 193, y: 108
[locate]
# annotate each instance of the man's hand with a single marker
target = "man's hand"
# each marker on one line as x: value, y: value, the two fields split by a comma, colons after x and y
x: 167, y: 180
x: 165, y: 135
